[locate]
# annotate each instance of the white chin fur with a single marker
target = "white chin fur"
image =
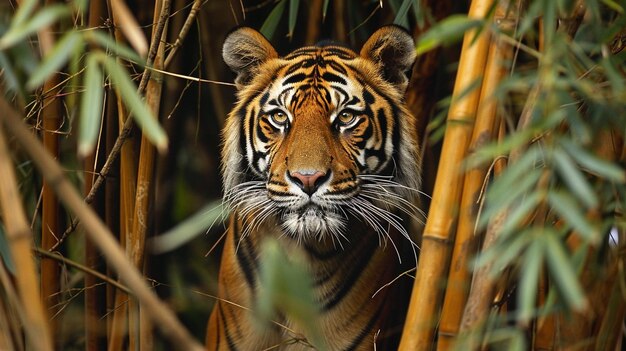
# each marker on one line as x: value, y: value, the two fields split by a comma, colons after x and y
x: 312, y: 223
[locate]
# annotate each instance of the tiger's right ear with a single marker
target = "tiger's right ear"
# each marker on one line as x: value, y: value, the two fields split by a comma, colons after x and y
x: 245, y: 49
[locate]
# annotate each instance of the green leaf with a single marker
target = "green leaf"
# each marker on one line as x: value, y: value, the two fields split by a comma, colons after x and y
x: 446, y: 32
x: 41, y: 19
x: 569, y: 210
x: 293, y: 15
x: 419, y: 13
x: 613, y: 5
x: 287, y: 286
x: 211, y: 214
x: 271, y: 23
x: 9, y: 75
x: 24, y: 11
x: 520, y: 212
x: 90, y: 106
x: 562, y: 273
x: 530, y: 272
x: 107, y: 42
x: 56, y: 58
x: 614, y: 76
x: 573, y: 177
x: 128, y: 92
x: 325, y: 9
x: 505, y: 252
x: 401, y: 18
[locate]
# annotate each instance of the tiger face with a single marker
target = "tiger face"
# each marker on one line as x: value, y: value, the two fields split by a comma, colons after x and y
x: 320, y: 136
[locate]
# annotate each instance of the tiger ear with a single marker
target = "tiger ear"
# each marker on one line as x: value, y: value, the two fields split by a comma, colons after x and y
x: 392, y: 49
x: 244, y: 51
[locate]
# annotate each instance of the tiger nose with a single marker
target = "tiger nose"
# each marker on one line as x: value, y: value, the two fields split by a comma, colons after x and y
x: 309, y: 182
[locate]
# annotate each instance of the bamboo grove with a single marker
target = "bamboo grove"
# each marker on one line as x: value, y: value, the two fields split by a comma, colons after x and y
x: 110, y: 113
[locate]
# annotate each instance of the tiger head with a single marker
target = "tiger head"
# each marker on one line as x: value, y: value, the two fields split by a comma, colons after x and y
x: 322, y: 135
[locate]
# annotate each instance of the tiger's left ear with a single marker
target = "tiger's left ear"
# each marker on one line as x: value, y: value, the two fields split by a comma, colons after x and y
x: 392, y: 49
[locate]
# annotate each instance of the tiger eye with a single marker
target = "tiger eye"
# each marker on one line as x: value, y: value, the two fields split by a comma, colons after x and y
x: 346, y: 117
x: 279, y: 117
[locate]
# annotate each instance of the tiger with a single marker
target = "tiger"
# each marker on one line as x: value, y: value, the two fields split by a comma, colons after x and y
x: 320, y: 153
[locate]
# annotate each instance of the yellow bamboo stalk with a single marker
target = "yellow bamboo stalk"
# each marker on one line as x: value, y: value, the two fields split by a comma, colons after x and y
x: 459, y: 278
x: 140, y: 333
x: 163, y: 317
x: 20, y: 240
x: 128, y: 172
x: 426, y: 297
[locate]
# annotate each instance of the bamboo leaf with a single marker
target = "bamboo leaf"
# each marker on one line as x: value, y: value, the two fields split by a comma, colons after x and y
x: 613, y: 5
x: 401, y: 18
x: 530, y: 271
x: 286, y: 286
x: 107, y: 42
x: 566, y: 206
x: 55, y: 59
x: 520, y: 212
x: 448, y: 31
x: 268, y: 29
x: 505, y: 253
x: 325, y: 9
x: 562, y: 274
x: 9, y: 75
x: 128, y: 92
x: 213, y: 213
x: 41, y: 19
x: 293, y: 15
x: 90, y: 106
x: 574, y: 179
x: 24, y: 11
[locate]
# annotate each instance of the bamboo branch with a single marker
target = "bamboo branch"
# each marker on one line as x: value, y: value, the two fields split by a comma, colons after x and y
x: 422, y: 317
x: 100, y: 235
x: 20, y: 239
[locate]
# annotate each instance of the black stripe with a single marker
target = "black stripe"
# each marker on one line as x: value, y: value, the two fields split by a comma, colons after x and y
x: 361, y: 336
x: 337, y: 67
x: 348, y: 282
x: 229, y: 340
x: 333, y: 78
x: 294, y: 78
x: 245, y: 258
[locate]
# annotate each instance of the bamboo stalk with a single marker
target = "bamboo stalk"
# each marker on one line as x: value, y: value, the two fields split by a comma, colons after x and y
x: 339, y: 21
x: 111, y: 191
x: 422, y: 316
x: 459, y: 278
x: 19, y: 237
x: 51, y: 115
x: 314, y: 22
x: 97, y: 231
x: 95, y: 327
x: 136, y: 237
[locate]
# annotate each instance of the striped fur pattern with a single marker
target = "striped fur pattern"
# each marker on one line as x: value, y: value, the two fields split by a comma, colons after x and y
x: 320, y: 152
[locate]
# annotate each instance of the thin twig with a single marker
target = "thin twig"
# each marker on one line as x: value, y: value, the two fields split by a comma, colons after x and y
x: 80, y: 267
